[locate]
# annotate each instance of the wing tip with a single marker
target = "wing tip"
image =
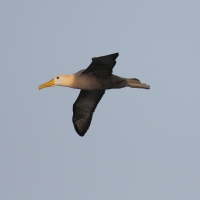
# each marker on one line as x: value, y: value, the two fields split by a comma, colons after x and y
x: 80, y: 130
x: 81, y: 135
x: 114, y: 55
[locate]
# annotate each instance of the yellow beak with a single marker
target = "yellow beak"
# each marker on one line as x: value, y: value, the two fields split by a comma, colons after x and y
x: 47, y: 84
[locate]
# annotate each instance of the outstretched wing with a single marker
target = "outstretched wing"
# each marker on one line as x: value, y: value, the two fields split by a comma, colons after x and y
x: 84, y: 108
x: 102, y: 66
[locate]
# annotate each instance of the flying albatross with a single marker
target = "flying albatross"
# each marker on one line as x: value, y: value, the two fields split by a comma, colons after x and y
x: 92, y: 82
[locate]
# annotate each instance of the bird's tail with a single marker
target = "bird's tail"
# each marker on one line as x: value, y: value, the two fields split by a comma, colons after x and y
x: 135, y: 83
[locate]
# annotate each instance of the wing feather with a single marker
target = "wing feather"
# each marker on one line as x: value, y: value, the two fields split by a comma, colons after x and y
x: 84, y: 108
x: 102, y: 66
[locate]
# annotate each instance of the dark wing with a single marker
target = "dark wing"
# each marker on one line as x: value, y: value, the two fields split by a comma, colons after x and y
x: 84, y: 108
x: 102, y: 66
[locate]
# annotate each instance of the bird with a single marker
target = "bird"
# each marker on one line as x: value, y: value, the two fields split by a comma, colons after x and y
x: 92, y: 82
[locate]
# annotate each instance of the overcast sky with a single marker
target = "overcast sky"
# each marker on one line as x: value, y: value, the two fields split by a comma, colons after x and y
x: 142, y: 144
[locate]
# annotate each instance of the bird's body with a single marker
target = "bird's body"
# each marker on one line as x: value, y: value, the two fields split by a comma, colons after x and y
x: 92, y: 82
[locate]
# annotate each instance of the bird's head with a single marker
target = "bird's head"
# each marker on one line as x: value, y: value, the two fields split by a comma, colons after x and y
x: 61, y: 80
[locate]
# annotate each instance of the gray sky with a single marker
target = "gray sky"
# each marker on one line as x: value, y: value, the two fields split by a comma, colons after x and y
x: 141, y: 144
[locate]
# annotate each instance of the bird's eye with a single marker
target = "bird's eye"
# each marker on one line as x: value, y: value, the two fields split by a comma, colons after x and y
x: 57, y: 77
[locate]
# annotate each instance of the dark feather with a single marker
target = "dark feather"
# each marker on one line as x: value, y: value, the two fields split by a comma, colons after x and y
x: 102, y: 66
x: 84, y: 108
